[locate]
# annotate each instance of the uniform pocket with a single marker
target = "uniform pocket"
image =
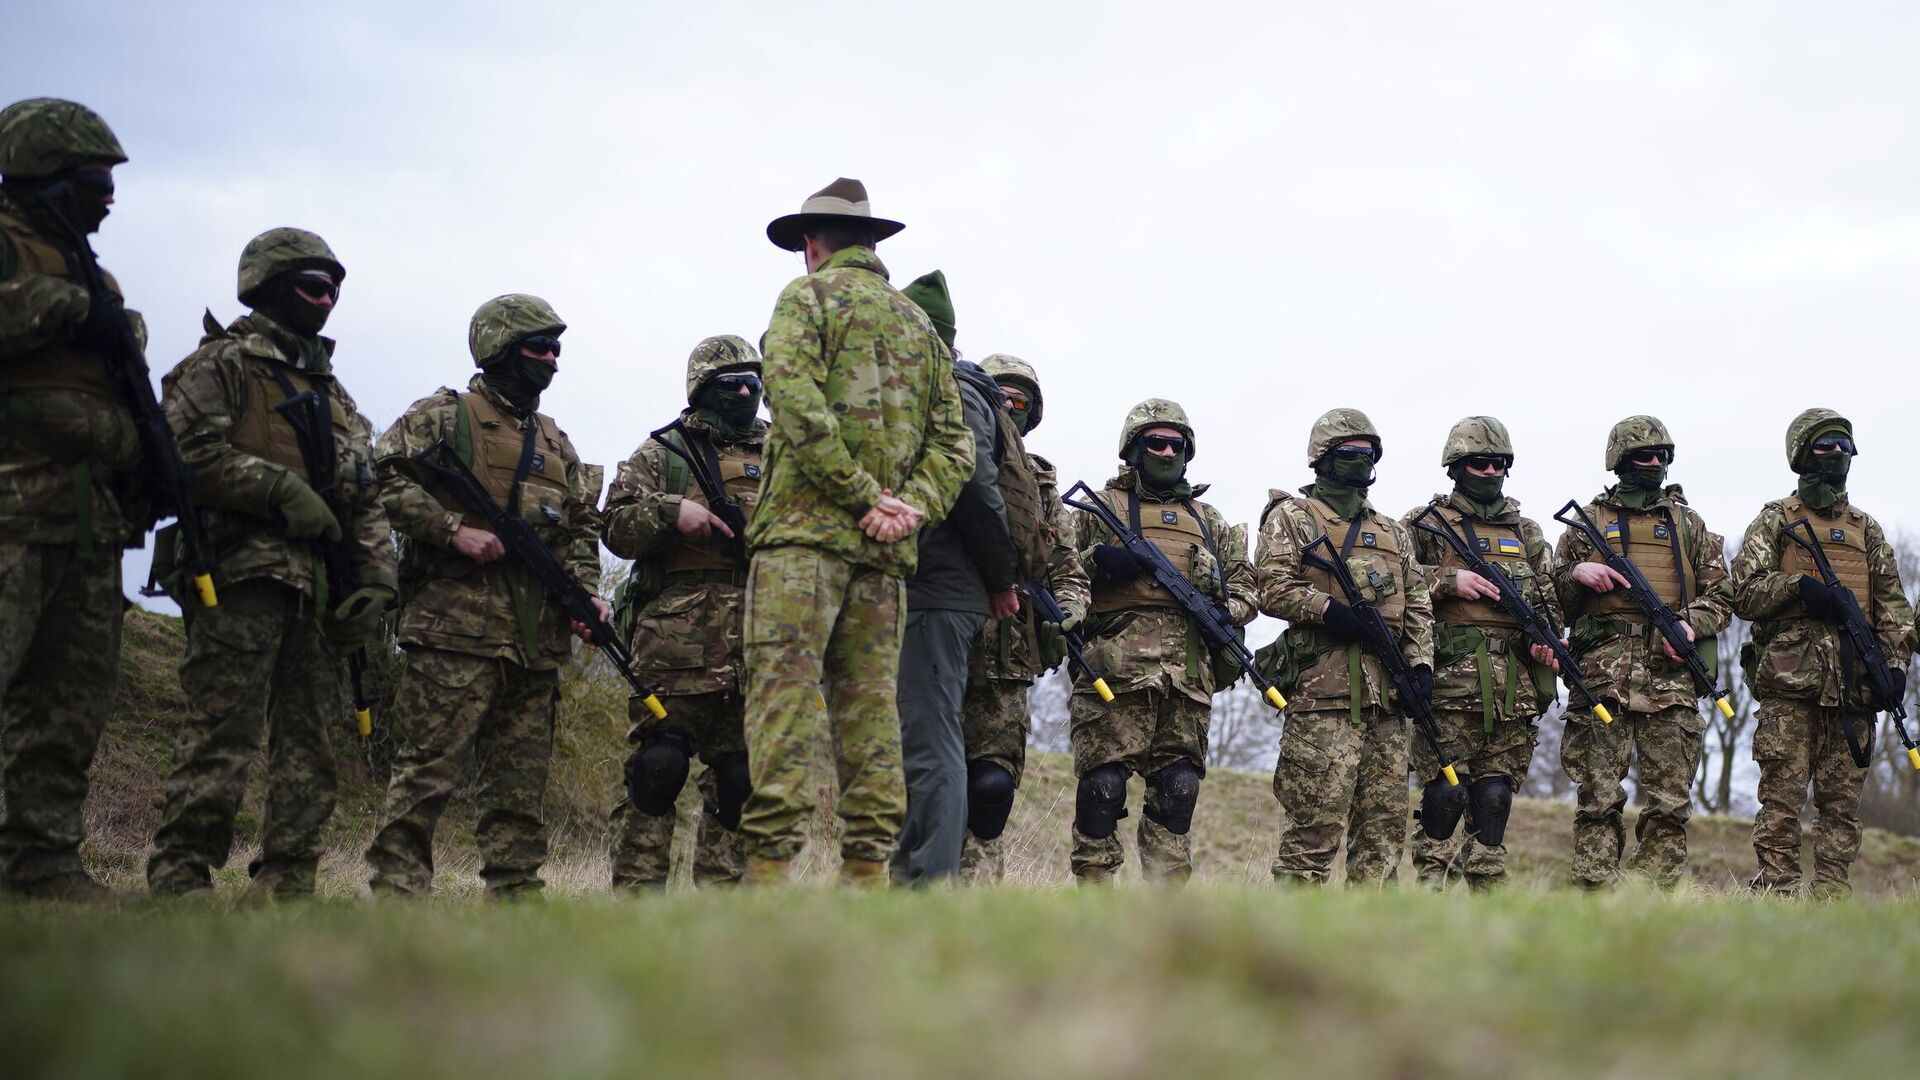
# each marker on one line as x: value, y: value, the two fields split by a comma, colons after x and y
x: 784, y: 597
x: 671, y: 633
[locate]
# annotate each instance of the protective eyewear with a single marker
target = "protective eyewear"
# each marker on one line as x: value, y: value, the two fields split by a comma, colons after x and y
x: 540, y: 345
x: 94, y: 180
x: 1834, y: 444
x: 315, y: 283
x: 1483, y: 462
x: 731, y: 384
x: 1162, y: 443
x: 1354, y: 453
x: 1016, y: 401
x: 1659, y: 455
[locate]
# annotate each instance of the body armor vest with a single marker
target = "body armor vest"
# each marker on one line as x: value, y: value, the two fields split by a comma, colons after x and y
x: 1027, y: 517
x: 498, y: 441
x: 1175, y: 528
x: 265, y: 432
x: 1501, y: 545
x: 1653, y: 540
x: 1372, y: 553
x: 60, y: 365
x: 740, y: 468
x: 1843, y: 538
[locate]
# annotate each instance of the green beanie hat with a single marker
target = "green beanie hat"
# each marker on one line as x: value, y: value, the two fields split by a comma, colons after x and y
x: 930, y: 292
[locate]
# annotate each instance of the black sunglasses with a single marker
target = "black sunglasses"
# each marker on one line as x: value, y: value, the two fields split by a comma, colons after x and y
x: 317, y: 283
x: 1835, y: 443
x: 541, y: 345
x: 732, y: 383
x: 93, y: 180
x: 1354, y: 453
x: 1658, y: 455
x: 1487, y: 461
x: 1157, y: 443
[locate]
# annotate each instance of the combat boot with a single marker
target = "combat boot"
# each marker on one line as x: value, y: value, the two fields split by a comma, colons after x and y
x: 72, y: 888
x: 762, y: 871
x: 864, y: 873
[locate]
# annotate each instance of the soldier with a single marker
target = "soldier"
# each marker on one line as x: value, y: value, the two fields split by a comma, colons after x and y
x: 684, y: 595
x: 1009, y: 653
x: 68, y: 447
x: 1343, y: 752
x: 484, y: 644
x: 1625, y: 660
x: 1486, y: 692
x: 264, y: 665
x: 1161, y: 673
x: 1814, y: 696
x: 867, y: 445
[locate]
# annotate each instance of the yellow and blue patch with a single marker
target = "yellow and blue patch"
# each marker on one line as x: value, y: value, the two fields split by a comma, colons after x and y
x: 1507, y: 545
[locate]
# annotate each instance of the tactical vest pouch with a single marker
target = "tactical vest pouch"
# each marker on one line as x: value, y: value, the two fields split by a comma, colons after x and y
x: 1289, y: 656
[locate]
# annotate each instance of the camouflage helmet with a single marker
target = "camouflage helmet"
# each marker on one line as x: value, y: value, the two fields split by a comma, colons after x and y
x: 1482, y: 435
x: 1152, y: 413
x: 505, y: 319
x: 715, y: 355
x: 1801, y: 432
x: 42, y: 136
x: 1633, y: 434
x: 277, y: 251
x: 1339, y: 426
x: 1003, y: 368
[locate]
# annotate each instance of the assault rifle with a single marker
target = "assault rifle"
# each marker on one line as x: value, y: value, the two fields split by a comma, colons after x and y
x: 443, y: 462
x: 1657, y: 613
x: 1047, y: 606
x: 724, y: 506
x: 1219, y: 632
x: 1889, y: 686
x: 1377, y: 637
x: 1532, y: 621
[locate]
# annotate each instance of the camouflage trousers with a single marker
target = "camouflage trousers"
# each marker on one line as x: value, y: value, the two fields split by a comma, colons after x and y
x: 818, y: 625
x: 1666, y: 745
x: 642, y: 843
x: 452, y: 712
x: 59, y: 658
x: 1336, y: 776
x: 256, y: 670
x: 1796, y: 743
x: 1506, y: 752
x: 1145, y: 731
x: 993, y: 719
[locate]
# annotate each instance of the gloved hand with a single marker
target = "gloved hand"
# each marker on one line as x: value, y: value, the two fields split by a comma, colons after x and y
x: 303, y: 510
x: 1072, y: 620
x: 1341, y: 623
x: 1423, y: 682
x: 1117, y: 563
x: 105, y: 322
x: 1204, y: 572
x: 1820, y: 600
x: 355, y: 621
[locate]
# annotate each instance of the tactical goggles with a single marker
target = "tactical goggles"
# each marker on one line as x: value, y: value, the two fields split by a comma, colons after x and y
x: 731, y: 384
x: 540, y: 345
x: 316, y: 283
x: 93, y: 180
x: 1656, y: 455
x: 1834, y: 444
x: 1162, y: 443
x: 1483, y: 462
x: 1017, y: 401
x: 1354, y: 453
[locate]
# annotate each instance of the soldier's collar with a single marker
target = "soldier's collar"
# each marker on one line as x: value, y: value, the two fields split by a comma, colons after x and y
x: 857, y: 257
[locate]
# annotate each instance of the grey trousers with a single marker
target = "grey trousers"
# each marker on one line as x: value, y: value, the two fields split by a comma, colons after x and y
x: 933, y: 684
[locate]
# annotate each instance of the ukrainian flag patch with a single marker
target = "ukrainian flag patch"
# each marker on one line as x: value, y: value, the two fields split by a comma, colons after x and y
x: 1507, y: 545
x: 1613, y: 531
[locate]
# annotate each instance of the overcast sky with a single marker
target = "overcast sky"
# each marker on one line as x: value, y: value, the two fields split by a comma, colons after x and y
x: 1709, y: 212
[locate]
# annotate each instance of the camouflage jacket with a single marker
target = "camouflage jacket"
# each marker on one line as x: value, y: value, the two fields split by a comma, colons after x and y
x: 62, y: 419
x: 1159, y: 647
x: 1006, y: 649
x: 206, y: 395
x: 1457, y: 674
x: 686, y: 637
x: 1798, y: 657
x: 1315, y: 672
x: 863, y: 398
x: 1621, y: 661
x: 448, y: 601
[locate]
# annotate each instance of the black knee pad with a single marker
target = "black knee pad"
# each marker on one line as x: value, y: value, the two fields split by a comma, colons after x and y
x: 732, y: 783
x: 657, y: 771
x: 1492, y: 801
x: 989, y: 798
x: 1441, y: 805
x: 1101, y: 801
x: 1176, y: 791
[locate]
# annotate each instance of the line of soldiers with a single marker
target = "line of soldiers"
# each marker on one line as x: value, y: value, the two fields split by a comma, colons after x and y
x: 777, y: 572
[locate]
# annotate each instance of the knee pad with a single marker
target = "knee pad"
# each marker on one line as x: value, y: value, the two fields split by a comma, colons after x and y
x: 1492, y: 801
x: 1176, y: 791
x: 657, y: 771
x: 732, y: 783
x: 1101, y: 801
x: 989, y: 798
x: 1441, y: 805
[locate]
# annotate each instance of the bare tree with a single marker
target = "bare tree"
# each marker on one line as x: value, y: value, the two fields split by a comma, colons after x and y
x: 1890, y: 798
x: 1244, y: 733
x: 1727, y: 739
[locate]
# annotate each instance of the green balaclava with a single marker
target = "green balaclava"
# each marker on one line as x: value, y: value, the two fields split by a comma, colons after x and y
x: 1484, y: 493
x: 1342, y: 483
x: 728, y: 414
x: 1160, y: 477
x: 1823, y: 478
x: 1640, y: 485
x: 929, y: 291
x: 519, y: 379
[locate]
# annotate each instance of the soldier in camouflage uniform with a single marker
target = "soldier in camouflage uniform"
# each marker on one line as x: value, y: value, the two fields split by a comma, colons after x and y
x: 684, y: 595
x: 264, y: 666
x: 1490, y: 681
x: 1625, y: 661
x: 67, y: 449
x: 484, y: 643
x: 1799, y: 659
x: 1343, y: 752
x: 867, y: 444
x: 1159, y: 668
x: 1009, y: 653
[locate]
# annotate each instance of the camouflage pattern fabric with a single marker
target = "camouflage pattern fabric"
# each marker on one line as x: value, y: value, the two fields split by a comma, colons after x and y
x: 994, y: 723
x: 281, y: 251
x: 454, y: 713
x: 1005, y: 648
x: 1596, y: 756
x: 1145, y: 731
x: 863, y: 400
x: 42, y: 136
x: 1507, y: 752
x: 257, y: 673
x: 1338, y: 426
x: 1635, y: 433
x: 59, y: 660
x: 506, y: 319
x: 1797, y: 742
x: 1333, y: 777
x: 818, y: 623
x: 643, y: 844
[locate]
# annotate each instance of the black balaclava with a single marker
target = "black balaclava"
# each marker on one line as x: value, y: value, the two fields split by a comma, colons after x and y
x: 519, y: 379
x: 280, y: 300
x: 730, y: 415
x: 76, y: 196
